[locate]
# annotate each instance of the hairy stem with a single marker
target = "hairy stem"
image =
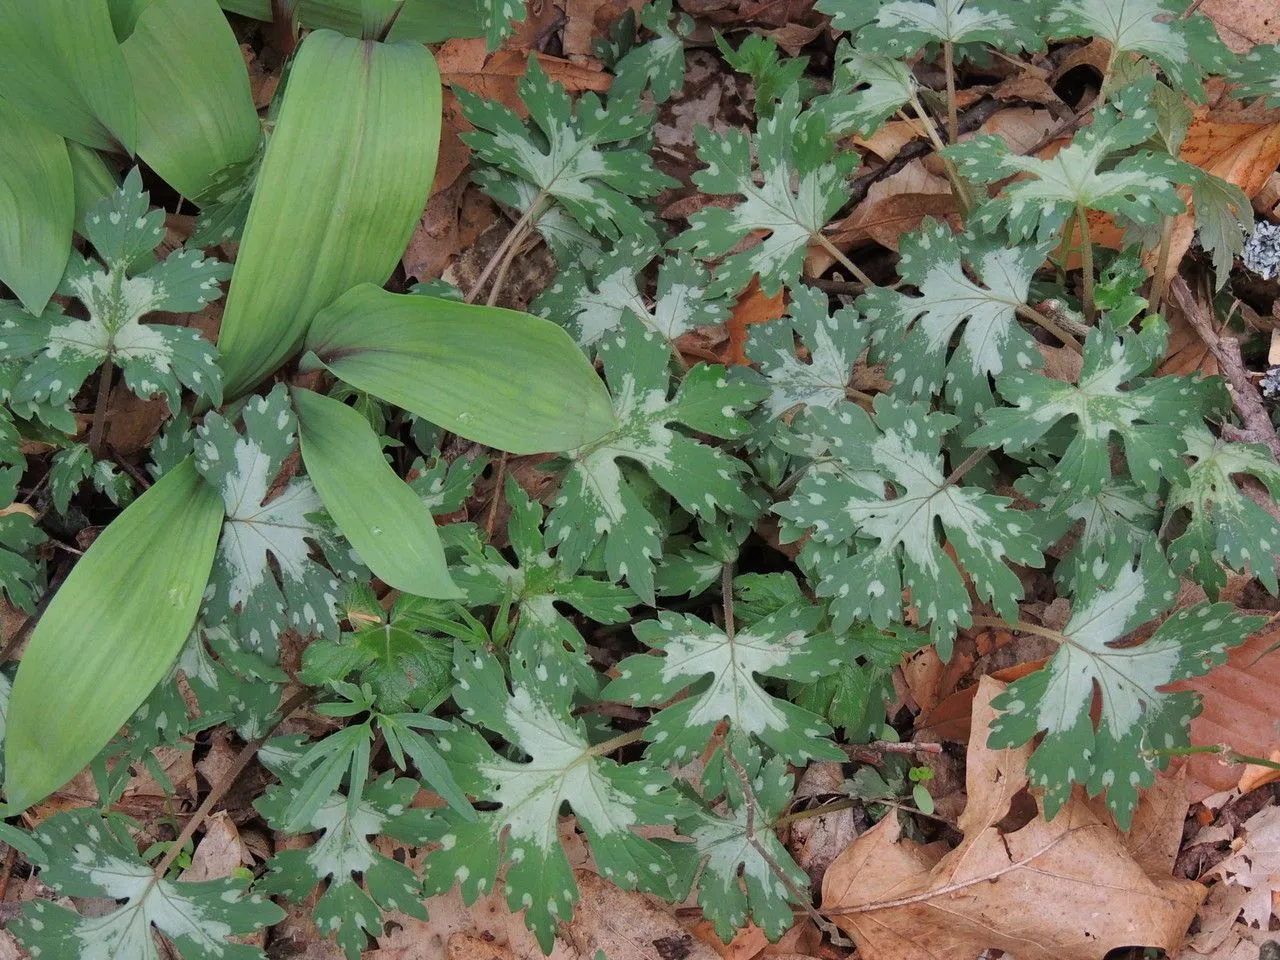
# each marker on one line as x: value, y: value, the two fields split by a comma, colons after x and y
x: 969, y: 463
x: 1086, y: 265
x: 854, y: 270
x: 726, y: 598
x: 1021, y: 626
x: 948, y: 64
x: 1161, y: 276
x: 1226, y: 753
x: 506, y: 248
x: 616, y: 743
x: 959, y: 188
x: 98, y: 428
x: 1044, y: 323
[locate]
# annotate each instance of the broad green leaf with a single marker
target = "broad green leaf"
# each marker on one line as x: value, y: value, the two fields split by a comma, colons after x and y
x: 592, y: 302
x: 1225, y: 527
x: 224, y: 204
x: 867, y: 89
x: 110, y: 634
x: 597, y: 502
x: 849, y: 15
x: 1136, y: 717
x: 37, y: 207
x: 1088, y: 174
x: 94, y: 181
x: 343, y: 850
x: 544, y: 637
x: 720, y: 673
x: 834, y: 343
x: 390, y: 528
x: 443, y: 485
x: 570, y: 153
x: 1185, y: 48
x: 499, y: 377
x: 195, y: 112
x: 421, y: 21
x: 738, y: 882
x: 914, y: 335
x: 260, y: 538
x: 124, y: 16
x: 118, y: 292
x: 1149, y: 417
x: 882, y: 544
x: 323, y: 219
x: 802, y: 186
x: 91, y: 857
x: 64, y: 69
x: 608, y: 799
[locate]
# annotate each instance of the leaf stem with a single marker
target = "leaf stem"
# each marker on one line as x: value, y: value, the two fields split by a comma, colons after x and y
x: 1161, y: 276
x: 948, y: 64
x: 958, y: 186
x: 1021, y: 626
x: 969, y: 463
x: 98, y: 427
x: 1228, y: 755
x: 1086, y: 264
x: 501, y: 255
x: 615, y: 743
x: 1039, y: 319
x: 844, y: 261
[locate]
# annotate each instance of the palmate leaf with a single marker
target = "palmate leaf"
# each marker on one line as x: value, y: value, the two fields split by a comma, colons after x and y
x: 74, y: 464
x: 1115, y: 525
x: 118, y: 292
x: 914, y: 334
x: 659, y: 62
x: 569, y: 154
x: 607, y: 798
x: 802, y: 185
x: 786, y: 644
x: 498, y: 18
x: 1149, y: 418
x: 867, y: 89
x: 544, y: 638
x: 886, y: 543
x: 1139, y: 188
x: 737, y: 882
x: 596, y: 502
x: 346, y: 909
x: 21, y: 573
x: 834, y: 343
x: 849, y: 14
x: 1135, y: 716
x: 593, y: 302
x: 771, y: 75
x: 88, y: 856
x: 1224, y: 528
x: 243, y: 468
x: 1258, y: 73
x: 1185, y: 48
x: 902, y: 27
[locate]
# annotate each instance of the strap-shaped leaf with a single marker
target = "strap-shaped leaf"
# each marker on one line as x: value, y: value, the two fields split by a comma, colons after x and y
x: 423, y: 21
x: 390, y: 527
x: 195, y: 111
x: 499, y: 377
x: 120, y: 618
x: 37, y: 207
x: 62, y: 67
x: 325, y: 219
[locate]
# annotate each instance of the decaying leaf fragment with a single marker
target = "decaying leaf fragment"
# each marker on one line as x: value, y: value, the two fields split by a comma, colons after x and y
x: 1068, y: 889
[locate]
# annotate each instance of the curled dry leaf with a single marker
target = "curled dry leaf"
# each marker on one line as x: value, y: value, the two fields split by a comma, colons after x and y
x: 1091, y: 893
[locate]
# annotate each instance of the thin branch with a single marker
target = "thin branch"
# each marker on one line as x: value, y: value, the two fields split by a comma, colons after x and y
x: 530, y: 214
x: 242, y: 760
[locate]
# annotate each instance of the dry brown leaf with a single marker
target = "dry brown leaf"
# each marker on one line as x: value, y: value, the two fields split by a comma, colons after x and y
x: 889, y: 138
x: 219, y: 852
x: 1255, y: 866
x: 1238, y: 702
x: 436, y: 239
x: 815, y: 842
x: 466, y: 63
x: 1243, y: 24
x: 1090, y: 894
x: 753, y: 306
x: 1021, y: 128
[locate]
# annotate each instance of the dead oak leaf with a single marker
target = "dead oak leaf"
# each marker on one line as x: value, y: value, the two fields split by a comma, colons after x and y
x: 1255, y: 866
x: 899, y: 901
